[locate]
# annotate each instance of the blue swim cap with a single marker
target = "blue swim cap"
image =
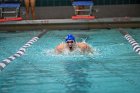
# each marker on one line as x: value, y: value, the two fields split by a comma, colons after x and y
x: 70, y: 37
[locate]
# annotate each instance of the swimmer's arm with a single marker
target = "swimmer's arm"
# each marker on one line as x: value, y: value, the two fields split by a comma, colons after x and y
x: 89, y: 49
x: 59, y: 49
x: 86, y: 48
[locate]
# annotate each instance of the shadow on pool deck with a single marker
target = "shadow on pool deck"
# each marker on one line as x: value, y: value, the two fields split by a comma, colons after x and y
x: 59, y: 24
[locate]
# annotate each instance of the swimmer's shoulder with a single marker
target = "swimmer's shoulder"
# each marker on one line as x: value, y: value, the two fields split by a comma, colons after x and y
x: 60, y: 47
x: 82, y: 45
x: 85, y: 47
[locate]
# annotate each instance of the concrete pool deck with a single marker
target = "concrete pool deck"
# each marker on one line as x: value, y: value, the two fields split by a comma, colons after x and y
x: 59, y: 24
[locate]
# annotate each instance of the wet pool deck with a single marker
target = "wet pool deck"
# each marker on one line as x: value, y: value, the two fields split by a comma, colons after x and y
x: 58, y: 24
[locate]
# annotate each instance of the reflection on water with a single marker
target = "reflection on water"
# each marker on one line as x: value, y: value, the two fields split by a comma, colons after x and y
x: 77, y: 73
x: 76, y: 66
x: 112, y: 67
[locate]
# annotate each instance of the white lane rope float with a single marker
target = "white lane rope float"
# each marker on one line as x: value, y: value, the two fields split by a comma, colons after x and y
x: 21, y: 51
x: 129, y: 38
x: 132, y: 41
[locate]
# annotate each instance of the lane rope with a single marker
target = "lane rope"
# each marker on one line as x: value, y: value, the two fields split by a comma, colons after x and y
x: 21, y: 51
x: 128, y: 37
x: 132, y: 41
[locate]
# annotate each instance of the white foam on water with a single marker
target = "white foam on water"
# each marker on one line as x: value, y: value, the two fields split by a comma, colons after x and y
x: 74, y: 54
x: 67, y: 54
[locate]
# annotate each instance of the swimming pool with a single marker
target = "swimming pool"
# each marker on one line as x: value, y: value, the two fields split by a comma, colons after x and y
x: 113, y: 68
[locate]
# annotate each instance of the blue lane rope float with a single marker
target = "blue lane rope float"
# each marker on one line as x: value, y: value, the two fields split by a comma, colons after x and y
x: 132, y: 41
x: 21, y: 51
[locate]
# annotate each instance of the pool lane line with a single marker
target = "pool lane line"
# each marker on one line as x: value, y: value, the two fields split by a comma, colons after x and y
x: 132, y: 41
x: 111, y: 71
x: 128, y: 37
x: 21, y: 51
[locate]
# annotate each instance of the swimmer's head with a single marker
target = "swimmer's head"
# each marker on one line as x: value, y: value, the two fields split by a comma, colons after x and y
x: 70, y: 37
x: 70, y: 41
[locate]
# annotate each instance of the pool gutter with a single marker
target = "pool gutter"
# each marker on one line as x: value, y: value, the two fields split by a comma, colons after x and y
x: 60, y: 24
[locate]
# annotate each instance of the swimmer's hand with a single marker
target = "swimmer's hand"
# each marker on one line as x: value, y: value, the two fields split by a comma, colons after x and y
x: 85, y: 48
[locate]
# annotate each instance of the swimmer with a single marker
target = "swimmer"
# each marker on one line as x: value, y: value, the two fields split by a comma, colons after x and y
x: 71, y: 45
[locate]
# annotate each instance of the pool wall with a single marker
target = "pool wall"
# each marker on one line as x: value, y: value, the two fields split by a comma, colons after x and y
x: 100, y: 11
x: 60, y: 24
x: 59, y: 17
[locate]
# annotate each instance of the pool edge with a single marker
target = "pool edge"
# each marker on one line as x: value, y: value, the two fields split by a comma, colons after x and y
x: 61, y: 24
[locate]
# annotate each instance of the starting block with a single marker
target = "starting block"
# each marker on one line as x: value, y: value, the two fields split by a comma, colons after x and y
x: 85, y: 7
x: 10, y: 10
x: 83, y: 17
x: 5, y: 6
x: 11, y: 19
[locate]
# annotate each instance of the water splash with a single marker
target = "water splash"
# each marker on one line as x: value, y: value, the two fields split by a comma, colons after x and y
x: 74, y: 54
x: 51, y: 52
x: 84, y: 40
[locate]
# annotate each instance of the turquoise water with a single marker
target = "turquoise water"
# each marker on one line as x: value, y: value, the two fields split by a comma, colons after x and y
x: 113, y: 68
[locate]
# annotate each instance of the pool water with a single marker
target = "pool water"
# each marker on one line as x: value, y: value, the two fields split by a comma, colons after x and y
x: 113, y: 68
